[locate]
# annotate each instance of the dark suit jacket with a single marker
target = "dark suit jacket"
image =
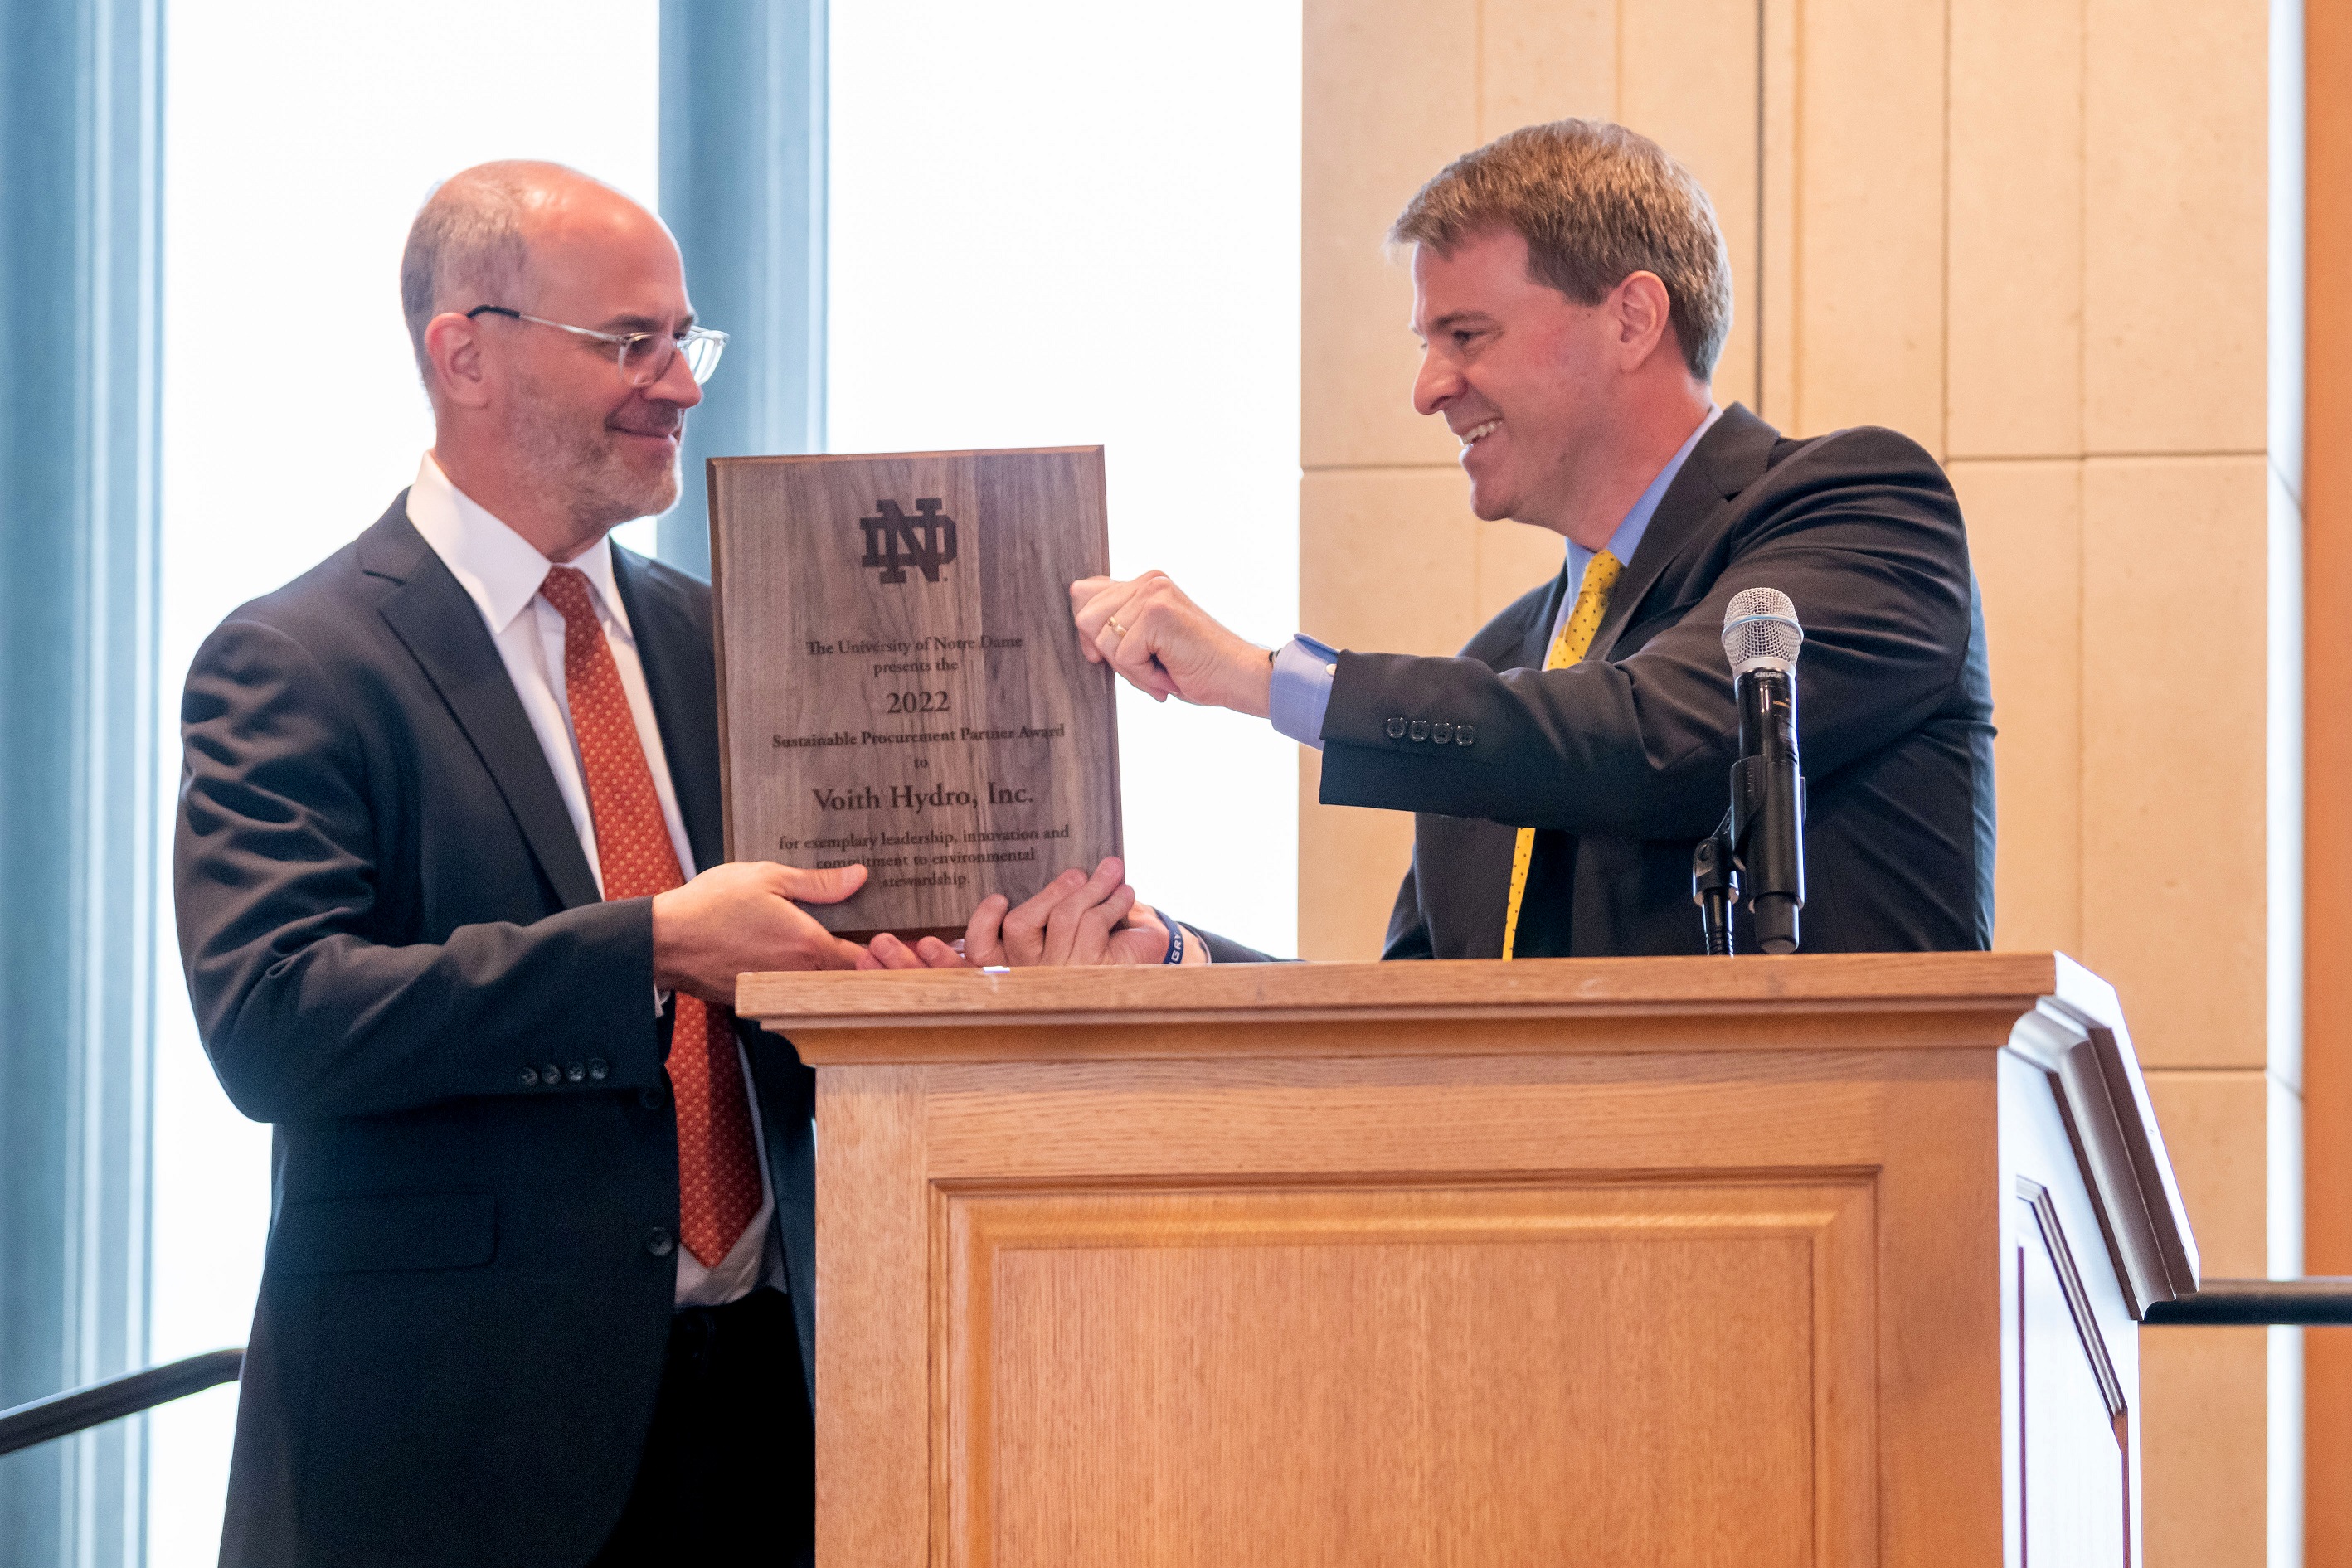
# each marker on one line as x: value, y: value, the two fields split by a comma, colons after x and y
x: 1621, y: 762
x: 398, y: 955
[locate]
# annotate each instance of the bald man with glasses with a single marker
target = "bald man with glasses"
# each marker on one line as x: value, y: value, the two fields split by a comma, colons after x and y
x: 454, y: 919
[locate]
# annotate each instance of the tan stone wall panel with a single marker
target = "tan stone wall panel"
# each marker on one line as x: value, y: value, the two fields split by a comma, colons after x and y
x: 1689, y: 82
x: 1391, y: 95
x: 2176, y: 99
x: 2173, y: 671
x: 1512, y: 558
x: 1870, y: 218
x: 2025, y: 535
x: 1544, y: 60
x: 2215, y: 1129
x: 2204, y: 1447
x: 2016, y: 375
x: 1777, y: 251
x: 2203, y: 1436
x: 1395, y: 553
x: 1350, y: 863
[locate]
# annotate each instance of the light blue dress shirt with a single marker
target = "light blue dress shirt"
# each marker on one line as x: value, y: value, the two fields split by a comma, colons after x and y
x: 1303, y: 668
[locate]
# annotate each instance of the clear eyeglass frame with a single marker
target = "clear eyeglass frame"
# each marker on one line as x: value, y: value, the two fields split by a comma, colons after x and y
x: 642, y: 356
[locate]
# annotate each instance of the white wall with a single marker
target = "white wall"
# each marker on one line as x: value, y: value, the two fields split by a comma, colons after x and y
x: 1067, y: 223
x: 301, y: 138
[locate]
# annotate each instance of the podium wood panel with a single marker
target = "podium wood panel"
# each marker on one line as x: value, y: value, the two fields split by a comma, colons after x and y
x: 1424, y: 1308
x: 1629, y: 1260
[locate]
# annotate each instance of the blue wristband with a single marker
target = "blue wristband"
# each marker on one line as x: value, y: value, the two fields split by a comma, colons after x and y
x: 1175, y: 940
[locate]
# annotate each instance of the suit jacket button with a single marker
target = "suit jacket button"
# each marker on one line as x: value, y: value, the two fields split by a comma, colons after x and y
x: 653, y: 1099
x: 1441, y: 733
x: 1463, y: 734
x: 575, y: 1073
x: 551, y: 1074
x: 599, y: 1069
x: 660, y: 1242
x: 1421, y: 729
x: 529, y: 1076
x: 1396, y: 728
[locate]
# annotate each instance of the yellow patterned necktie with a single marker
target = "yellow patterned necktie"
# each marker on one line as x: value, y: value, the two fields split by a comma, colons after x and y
x: 1575, y: 639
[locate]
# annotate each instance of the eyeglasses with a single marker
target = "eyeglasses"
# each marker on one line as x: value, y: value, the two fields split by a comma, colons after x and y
x: 644, y: 357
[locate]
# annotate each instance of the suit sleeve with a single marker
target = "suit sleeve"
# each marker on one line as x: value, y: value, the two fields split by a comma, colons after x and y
x: 304, y: 1008
x: 1874, y: 557
x: 1226, y: 950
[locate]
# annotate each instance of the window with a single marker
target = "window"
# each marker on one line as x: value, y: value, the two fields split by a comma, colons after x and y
x: 299, y: 140
x: 1053, y: 226
x: 1062, y: 224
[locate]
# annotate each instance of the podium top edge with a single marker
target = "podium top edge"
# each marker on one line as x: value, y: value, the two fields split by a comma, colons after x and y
x: 797, y: 1001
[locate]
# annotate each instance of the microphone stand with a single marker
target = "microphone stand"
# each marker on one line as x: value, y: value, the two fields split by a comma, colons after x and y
x: 1759, y: 851
x: 1714, y: 887
x: 1767, y: 826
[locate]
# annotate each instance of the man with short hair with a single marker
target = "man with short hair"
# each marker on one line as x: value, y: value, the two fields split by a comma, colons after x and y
x: 1571, y: 291
x: 454, y: 916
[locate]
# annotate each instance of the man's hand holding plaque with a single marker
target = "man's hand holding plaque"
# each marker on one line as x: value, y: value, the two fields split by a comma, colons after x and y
x: 747, y: 914
x: 1151, y: 632
x: 1076, y: 919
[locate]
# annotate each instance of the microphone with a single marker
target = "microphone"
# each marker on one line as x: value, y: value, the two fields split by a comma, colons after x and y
x: 1760, y: 639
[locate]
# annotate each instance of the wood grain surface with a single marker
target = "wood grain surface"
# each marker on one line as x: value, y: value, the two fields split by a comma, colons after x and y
x: 1712, y: 1300
x: 1424, y: 1374
x: 1745, y: 989
x: 900, y: 685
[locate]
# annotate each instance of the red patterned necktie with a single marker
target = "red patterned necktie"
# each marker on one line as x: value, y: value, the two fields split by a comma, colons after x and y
x: 717, y: 1165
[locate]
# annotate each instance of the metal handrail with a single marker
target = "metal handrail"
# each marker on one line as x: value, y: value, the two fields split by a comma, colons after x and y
x: 2321, y: 1299
x: 60, y: 1414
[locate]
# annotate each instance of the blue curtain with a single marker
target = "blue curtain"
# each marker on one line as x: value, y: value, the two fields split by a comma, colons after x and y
x: 743, y: 159
x: 743, y: 186
x: 80, y: 186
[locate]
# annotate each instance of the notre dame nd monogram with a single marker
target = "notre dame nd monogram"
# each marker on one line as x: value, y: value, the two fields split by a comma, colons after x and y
x: 894, y: 541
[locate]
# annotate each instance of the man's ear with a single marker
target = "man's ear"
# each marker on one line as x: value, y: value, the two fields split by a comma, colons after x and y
x: 1642, y: 314
x: 453, y: 344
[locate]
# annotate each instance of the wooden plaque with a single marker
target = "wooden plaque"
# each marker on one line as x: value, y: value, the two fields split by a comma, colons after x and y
x: 899, y: 684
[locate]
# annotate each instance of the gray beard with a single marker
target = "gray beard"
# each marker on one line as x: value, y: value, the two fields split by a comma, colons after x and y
x: 580, y: 464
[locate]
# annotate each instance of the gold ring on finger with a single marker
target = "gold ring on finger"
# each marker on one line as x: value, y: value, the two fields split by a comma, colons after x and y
x: 1116, y: 627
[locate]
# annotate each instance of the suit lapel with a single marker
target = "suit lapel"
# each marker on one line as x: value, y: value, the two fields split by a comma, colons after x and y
x: 1535, y: 638
x: 682, y: 679
x: 435, y: 619
x: 1726, y: 460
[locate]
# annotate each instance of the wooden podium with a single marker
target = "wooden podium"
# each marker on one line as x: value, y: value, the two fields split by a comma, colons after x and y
x: 1622, y: 1261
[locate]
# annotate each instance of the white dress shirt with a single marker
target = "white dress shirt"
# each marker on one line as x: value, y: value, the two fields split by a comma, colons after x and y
x: 501, y: 572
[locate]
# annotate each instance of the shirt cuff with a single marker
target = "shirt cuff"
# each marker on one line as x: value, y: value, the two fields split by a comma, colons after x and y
x: 1301, y: 691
